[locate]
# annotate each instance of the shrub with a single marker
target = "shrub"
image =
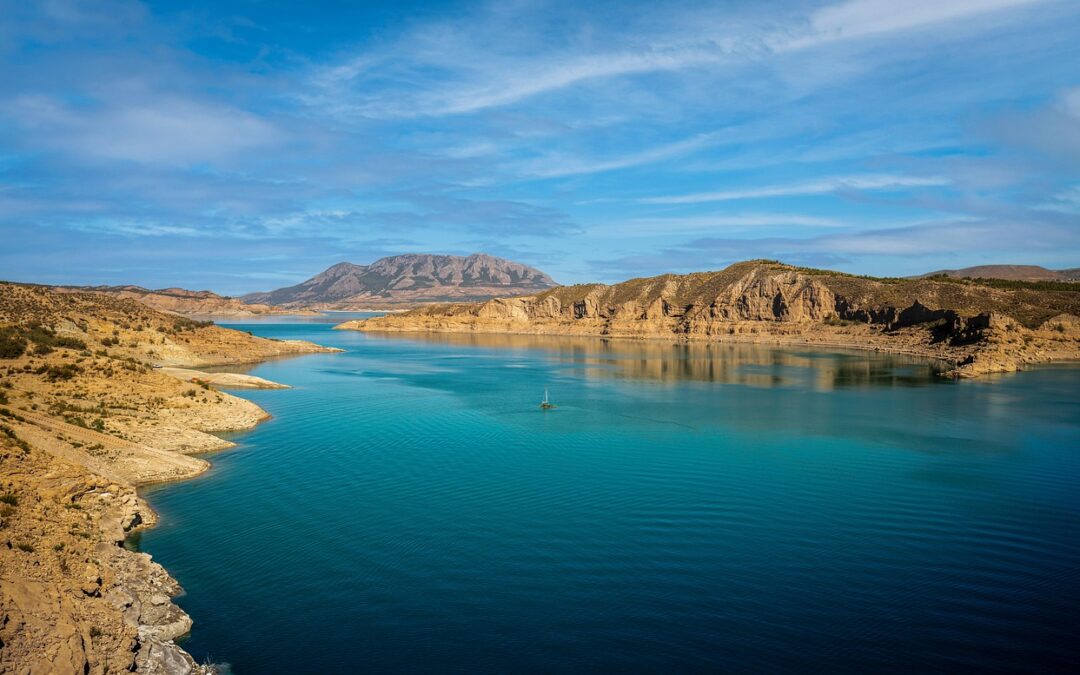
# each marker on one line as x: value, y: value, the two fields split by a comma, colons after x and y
x: 9, y: 498
x: 25, y: 547
x: 12, y: 345
x: 55, y: 373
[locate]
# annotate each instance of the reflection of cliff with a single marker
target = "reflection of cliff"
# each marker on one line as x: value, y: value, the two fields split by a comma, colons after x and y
x: 748, y: 364
x: 979, y: 328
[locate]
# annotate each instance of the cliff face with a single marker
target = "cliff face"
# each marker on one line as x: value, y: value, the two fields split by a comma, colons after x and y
x: 955, y: 321
x: 409, y: 280
x: 84, y: 419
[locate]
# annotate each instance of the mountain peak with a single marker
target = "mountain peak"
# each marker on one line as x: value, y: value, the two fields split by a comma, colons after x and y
x: 410, y: 279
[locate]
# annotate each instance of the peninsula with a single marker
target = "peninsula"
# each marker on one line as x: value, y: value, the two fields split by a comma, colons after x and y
x: 89, y: 410
x: 973, y: 326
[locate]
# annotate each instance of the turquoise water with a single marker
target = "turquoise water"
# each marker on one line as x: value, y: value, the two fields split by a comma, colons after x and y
x: 686, y: 508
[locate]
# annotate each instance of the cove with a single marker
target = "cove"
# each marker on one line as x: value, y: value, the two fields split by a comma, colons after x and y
x: 698, y: 507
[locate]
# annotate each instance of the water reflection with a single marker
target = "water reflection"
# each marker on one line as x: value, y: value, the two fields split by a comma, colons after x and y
x: 754, y: 365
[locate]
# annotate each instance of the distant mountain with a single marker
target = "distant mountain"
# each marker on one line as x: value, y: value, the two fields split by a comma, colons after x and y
x: 179, y: 300
x: 409, y: 280
x: 1011, y: 273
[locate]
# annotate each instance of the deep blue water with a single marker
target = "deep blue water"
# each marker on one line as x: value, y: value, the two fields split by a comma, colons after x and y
x: 686, y: 508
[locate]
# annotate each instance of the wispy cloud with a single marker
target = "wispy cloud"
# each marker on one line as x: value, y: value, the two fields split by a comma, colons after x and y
x: 653, y: 226
x: 167, y: 130
x: 862, y: 18
x: 815, y: 187
x: 940, y: 240
x: 846, y: 132
x: 555, y: 166
x: 475, y: 80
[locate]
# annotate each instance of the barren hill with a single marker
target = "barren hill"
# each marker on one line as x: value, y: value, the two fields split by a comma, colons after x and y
x: 1011, y: 272
x: 977, y: 327
x: 405, y: 280
x: 179, y: 300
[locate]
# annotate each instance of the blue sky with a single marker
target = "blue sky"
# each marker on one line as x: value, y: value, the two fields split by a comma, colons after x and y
x: 244, y: 145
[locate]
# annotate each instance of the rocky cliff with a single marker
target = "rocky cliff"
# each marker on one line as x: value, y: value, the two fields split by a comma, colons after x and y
x: 409, y: 280
x: 977, y: 328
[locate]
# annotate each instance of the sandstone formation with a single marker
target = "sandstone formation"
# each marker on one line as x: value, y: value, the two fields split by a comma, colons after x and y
x: 973, y: 328
x: 409, y: 280
x: 85, y: 417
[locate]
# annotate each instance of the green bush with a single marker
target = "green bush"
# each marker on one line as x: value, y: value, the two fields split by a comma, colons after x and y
x: 12, y: 344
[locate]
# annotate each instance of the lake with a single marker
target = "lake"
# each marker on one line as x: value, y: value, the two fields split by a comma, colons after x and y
x: 699, y: 507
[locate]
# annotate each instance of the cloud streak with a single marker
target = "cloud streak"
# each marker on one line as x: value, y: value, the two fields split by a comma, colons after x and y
x: 816, y: 187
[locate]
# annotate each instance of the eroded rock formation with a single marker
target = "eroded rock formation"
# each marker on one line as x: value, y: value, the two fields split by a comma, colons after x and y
x: 976, y: 327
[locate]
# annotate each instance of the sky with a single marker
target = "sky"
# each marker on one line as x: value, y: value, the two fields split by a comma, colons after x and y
x: 239, y: 146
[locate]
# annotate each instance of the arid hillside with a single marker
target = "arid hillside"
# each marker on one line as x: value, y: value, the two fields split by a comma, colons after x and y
x: 180, y: 300
x: 977, y: 327
x: 1011, y: 273
x: 85, y: 417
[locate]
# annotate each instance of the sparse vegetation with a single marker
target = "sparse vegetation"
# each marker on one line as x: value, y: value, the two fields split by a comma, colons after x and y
x: 12, y: 344
x: 14, y: 438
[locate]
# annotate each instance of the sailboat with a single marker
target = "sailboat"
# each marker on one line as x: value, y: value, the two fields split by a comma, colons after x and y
x: 545, y: 404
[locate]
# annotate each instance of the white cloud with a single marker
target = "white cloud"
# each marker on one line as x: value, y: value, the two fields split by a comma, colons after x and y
x: 859, y: 18
x: 702, y: 224
x: 558, y: 166
x: 473, y: 73
x: 172, y: 131
x: 817, y: 187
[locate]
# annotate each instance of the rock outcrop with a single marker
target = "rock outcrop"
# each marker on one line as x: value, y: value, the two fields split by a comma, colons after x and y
x: 976, y: 328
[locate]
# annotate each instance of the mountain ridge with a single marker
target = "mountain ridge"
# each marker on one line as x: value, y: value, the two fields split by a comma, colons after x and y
x: 408, y: 279
x: 1009, y: 273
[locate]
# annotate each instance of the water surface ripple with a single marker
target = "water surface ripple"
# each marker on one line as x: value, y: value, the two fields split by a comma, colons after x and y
x: 686, y: 508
